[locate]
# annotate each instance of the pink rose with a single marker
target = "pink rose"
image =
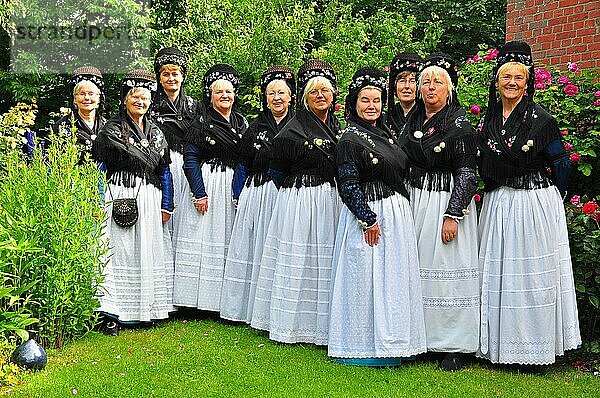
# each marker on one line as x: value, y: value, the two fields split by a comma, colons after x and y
x: 575, y: 157
x: 542, y: 75
x: 338, y: 107
x: 597, y: 102
x: 575, y: 200
x: 573, y: 67
x: 597, y: 94
x: 568, y: 146
x: 469, y: 60
x: 477, y: 198
x: 564, y: 132
x: 590, y: 208
x: 540, y: 86
x: 564, y: 80
x: 476, y: 58
x: 475, y: 109
x: 571, y: 90
x: 492, y: 54
x: 386, y: 68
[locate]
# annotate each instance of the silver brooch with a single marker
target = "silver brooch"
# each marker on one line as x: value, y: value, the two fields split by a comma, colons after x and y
x: 418, y: 134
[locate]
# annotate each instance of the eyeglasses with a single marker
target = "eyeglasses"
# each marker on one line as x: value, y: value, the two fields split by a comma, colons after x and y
x: 406, y: 82
x: 88, y: 94
x: 322, y: 91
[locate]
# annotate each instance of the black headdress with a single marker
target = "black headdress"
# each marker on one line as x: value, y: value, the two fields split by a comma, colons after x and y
x: 402, y: 62
x: 513, y: 51
x: 218, y: 72
x: 91, y: 74
x: 136, y: 78
x: 277, y: 72
x: 170, y: 56
x: 445, y: 62
x: 367, y: 76
x: 313, y: 68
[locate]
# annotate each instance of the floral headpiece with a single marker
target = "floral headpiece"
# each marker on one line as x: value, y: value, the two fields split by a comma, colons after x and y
x: 445, y: 62
x: 137, y: 78
x: 277, y: 72
x: 88, y: 73
x: 313, y: 68
x: 170, y: 56
x: 219, y: 72
x: 515, y: 51
x: 367, y: 76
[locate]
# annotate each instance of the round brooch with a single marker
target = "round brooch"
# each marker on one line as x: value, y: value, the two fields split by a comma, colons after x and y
x: 144, y: 142
x: 418, y: 134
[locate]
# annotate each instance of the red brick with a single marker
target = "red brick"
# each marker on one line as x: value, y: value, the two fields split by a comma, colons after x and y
x: 528, y: 18
x: 594, y: 46
x: 538, y: 16
x: 546, y: 38
x: 590, y: 22
x: 577, y: 40
x: 586, y: 32
x: 552, y: 6
x: 546, y: 31
x: 558, y: 20
x: 558, y: 12
x: 581, y: 16
x: 566, y: 3
x: 568, y: 27
x: 578, y: 25
x: 566, y: 43
x: 564, y: 35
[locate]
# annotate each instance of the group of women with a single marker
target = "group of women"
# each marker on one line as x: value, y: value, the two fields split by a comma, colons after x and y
x: 363, y: 238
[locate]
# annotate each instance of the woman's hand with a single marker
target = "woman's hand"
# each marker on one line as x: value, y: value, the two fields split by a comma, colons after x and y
x: 372, y: 235
x: 449, y: 230
x: 165, y: 216
x: 201, y: 205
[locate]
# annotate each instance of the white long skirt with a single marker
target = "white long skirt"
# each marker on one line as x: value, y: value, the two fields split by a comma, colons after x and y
x: 252, y: 218
x: 449, y: 274
x: 376, y: 302
x: 529, y: 310
x: 136, y: 285
x: 292, y: 294
x: 202, y: 242
x: 181, y: 194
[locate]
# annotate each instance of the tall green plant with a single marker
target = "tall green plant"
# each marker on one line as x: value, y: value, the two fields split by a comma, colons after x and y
x: 50, y: 215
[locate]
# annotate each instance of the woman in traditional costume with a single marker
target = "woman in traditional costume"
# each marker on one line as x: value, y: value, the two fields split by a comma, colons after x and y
x: 441, y: 149
x: 84, y: 118
x: 403, y: 87
x: 376, y: 316
x: 528, y: 308
x: 292, y: 295
x: 136, y: 158
x: 211, y: 154
x: 256, y: 201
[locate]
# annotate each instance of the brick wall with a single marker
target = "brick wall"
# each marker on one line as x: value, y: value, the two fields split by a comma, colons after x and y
x: 559, y: 31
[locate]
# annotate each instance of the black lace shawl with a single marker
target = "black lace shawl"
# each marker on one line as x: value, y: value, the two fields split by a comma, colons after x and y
x: 129, y: 152
x: 257, y: 143
x: 304, y: 150
x: 218, y: 139
x: 85, y: 135
x: 378, y: 157
x: 175, y: 118
x: 395, y: 120
x: 438, y: 147
x: 503, y: 160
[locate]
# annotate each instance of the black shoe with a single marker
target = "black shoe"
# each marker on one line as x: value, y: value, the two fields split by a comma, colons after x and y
x: 110, y: 328
x: 452, y: 362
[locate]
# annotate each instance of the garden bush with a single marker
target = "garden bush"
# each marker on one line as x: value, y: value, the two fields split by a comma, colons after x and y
x: 50, y: 228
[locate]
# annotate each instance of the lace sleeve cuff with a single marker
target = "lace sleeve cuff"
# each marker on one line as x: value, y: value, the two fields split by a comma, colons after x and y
x: 353, y: 196
x: 465, y: 185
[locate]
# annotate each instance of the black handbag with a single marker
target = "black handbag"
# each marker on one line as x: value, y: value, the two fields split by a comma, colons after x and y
x: 125, y: 210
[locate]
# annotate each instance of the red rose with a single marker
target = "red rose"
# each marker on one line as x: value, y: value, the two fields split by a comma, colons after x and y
x: 575, y: 157
x: 590, y: 208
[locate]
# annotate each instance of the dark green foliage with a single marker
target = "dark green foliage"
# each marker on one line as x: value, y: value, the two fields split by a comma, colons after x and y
x: 50, y: 214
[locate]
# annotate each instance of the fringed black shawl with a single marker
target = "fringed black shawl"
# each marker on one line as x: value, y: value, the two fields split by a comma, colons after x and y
x: 175, y: 118
x: 513, y: 154
x: 129, y: 152
x: 378, y: 157
x: 436, y: 148
x: 304, y: 150
x: 257, y: 143
x: 395, y: 119
x: 84, y: 134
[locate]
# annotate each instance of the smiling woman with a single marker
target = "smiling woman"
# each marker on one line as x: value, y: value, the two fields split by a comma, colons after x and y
x: 136, y: 158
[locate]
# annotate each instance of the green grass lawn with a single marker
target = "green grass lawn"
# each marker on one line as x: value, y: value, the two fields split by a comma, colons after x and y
x: 209, y: 358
